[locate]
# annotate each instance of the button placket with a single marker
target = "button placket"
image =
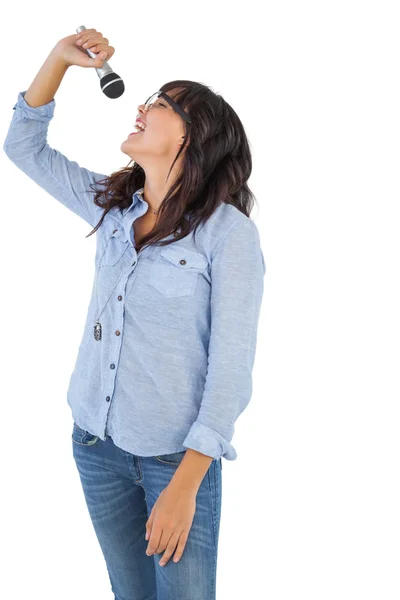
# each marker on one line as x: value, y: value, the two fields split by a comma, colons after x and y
x: 117, y: 331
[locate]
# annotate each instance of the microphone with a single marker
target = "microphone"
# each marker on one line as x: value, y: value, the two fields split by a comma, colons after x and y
x: 111, y: 84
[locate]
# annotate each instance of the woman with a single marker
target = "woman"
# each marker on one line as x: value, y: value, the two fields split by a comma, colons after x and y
x: 164, y: 367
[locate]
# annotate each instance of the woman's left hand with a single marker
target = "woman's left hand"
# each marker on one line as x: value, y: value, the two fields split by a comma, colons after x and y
x: 169, y: 522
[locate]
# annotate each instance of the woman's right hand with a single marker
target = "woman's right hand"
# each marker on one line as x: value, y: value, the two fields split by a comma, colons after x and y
x: 73, y: 53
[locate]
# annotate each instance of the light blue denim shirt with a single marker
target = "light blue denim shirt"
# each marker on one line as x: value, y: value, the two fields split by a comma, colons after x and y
x: 173, y: 367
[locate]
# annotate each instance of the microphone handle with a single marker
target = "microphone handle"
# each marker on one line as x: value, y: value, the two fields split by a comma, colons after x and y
x: 105, y: 69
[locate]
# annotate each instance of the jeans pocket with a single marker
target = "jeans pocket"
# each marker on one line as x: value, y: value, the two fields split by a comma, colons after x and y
x: 82, y: 437
x: 171, y: 459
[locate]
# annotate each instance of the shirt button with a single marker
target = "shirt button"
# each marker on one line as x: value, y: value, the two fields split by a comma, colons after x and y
x: 112, y: 366
x: 108, y: 398
x: 119, y: 297
x: 183, y: 261
x: 118, y: 332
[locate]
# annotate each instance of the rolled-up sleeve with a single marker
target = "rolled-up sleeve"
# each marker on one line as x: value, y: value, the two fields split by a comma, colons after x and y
x: 26, y: 146
x: 237, y: 284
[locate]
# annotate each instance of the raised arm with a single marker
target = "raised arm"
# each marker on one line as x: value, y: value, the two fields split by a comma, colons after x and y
x: 26, y: 141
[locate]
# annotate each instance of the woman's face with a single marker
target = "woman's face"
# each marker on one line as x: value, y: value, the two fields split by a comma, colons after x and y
x: 162, y: 136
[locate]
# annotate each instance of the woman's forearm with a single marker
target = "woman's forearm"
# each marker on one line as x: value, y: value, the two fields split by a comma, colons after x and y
x: 43, y: 88
x: 191, y: 471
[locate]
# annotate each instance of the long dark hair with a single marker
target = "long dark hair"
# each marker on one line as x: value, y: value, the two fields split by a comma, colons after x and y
x: 216, y: 167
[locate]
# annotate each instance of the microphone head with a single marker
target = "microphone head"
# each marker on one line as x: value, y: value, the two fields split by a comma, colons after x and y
x: 112, y: 85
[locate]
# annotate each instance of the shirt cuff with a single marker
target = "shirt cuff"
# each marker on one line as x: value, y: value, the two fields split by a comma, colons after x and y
x: 209, y: 442
x: 39, y: 113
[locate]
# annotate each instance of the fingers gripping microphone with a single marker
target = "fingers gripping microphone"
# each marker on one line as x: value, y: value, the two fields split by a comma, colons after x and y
x: 111, y: 84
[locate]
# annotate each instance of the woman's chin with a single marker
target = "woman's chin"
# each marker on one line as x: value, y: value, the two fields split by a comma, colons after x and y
x: 127, y: 148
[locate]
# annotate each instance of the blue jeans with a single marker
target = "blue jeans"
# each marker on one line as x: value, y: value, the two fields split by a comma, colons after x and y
x: 120, y: 490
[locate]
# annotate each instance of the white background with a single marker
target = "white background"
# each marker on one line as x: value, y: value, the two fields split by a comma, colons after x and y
x: 310, y: 508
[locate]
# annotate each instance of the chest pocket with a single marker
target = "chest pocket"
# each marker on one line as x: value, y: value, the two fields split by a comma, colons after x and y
x: 176, y: 270
x: 114, y: 250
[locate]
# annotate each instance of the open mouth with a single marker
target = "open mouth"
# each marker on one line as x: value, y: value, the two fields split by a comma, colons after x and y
x: 138, y: 129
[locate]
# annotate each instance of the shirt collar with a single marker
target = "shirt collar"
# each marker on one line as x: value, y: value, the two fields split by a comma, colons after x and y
x: 136, y: 209
x: 136, y: 198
